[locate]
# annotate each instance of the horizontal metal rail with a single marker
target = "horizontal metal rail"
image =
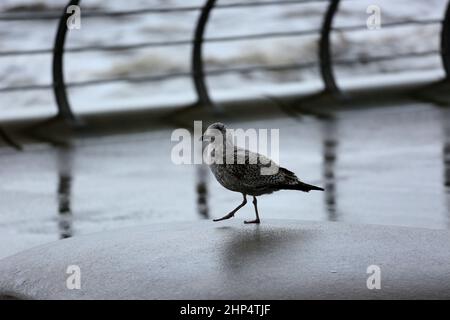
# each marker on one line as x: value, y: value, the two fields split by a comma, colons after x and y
x: 52, y: 15
x: 223, y: 71
x: 232, y: 38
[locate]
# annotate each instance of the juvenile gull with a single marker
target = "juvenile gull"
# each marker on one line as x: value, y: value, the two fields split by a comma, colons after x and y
x: 236, y: 169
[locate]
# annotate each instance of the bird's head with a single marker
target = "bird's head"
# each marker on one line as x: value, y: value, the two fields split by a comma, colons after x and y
x: 214, y: 132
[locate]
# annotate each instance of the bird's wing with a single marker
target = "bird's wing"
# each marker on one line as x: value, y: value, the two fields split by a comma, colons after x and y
x: 254, y: 170
x: 288, y: 177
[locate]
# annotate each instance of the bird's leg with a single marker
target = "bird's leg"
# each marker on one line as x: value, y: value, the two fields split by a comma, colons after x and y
x: 231, y: 214
x: 255, y: 203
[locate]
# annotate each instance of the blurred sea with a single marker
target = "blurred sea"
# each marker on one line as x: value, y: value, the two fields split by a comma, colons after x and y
x: 36, y: 69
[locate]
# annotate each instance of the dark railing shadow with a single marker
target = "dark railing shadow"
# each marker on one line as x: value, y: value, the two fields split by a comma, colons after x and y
x: 64, y: 192
x: 330, y: 145
x: 202, y: 191
x: 9, y: 140
x: 445, y: 118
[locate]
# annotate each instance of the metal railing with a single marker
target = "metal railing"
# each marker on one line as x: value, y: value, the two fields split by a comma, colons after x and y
x: 198, y: 72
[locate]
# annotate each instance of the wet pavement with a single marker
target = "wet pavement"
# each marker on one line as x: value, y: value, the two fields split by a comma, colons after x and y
x: 387, y: 166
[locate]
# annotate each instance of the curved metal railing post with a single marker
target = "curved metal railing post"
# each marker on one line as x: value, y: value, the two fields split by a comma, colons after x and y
x: 59, y: 86
x: 445, y: 42
x: 326, y: 63
x: 198, y: 74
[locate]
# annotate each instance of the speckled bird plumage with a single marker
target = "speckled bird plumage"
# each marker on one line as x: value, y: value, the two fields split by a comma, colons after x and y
x: 247, y: 178
x: 244, y: 174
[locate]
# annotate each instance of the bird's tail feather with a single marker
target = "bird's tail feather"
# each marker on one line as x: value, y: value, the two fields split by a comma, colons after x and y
x: 301, y: 186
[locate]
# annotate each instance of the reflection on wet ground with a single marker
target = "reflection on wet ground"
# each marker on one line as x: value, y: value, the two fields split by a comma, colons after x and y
x: 202, y: 191
x: 446, y: 157
x: 64, y: 192
x: 244, y: 250
x: 381, y: 165
x: 329, y: 167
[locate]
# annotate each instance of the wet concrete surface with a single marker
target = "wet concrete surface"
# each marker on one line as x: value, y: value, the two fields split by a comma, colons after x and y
x: 280, y: 259
x: 385, y: 166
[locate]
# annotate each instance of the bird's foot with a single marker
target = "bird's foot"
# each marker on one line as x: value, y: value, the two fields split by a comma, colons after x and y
x: 228, y: 216
x: 257, y: 221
